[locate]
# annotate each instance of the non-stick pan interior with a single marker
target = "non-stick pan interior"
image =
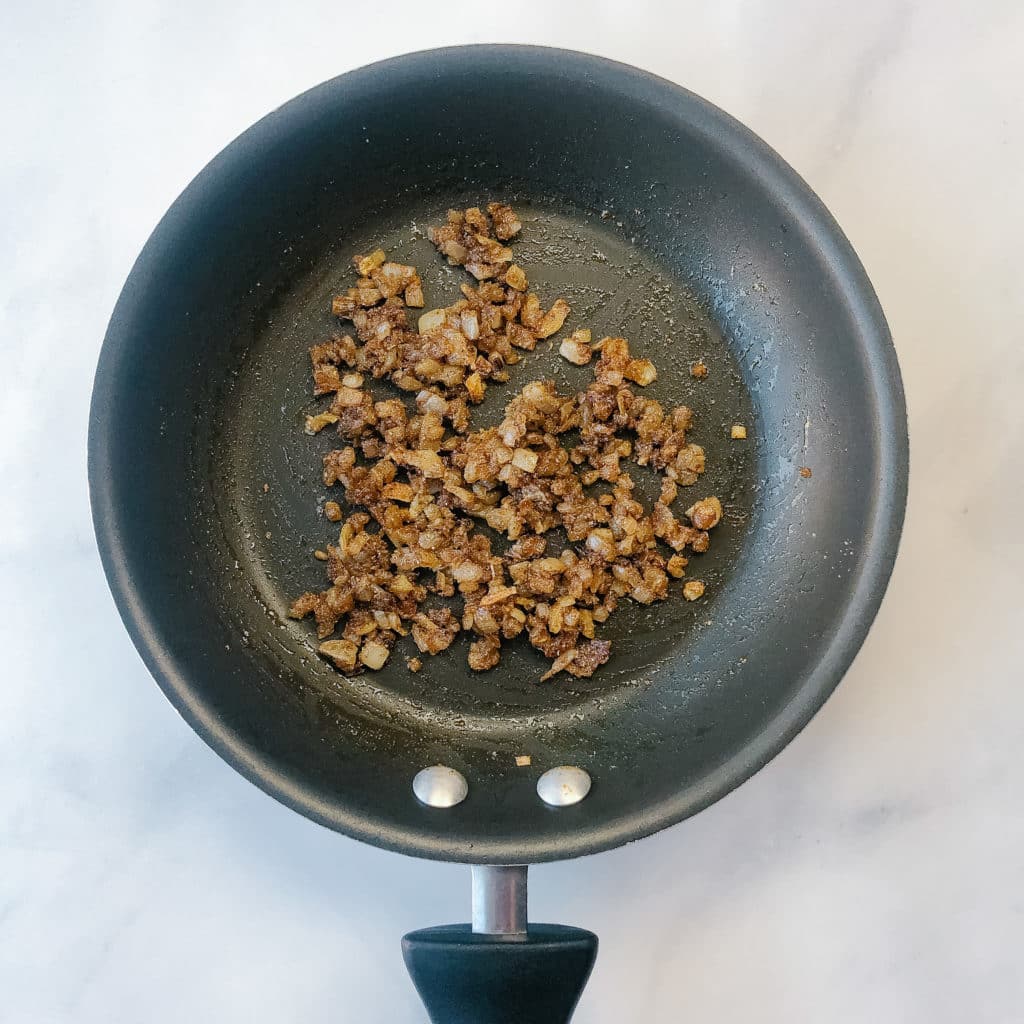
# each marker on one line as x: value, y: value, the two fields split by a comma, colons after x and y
x: 613, y: 287
x: 658, y: 219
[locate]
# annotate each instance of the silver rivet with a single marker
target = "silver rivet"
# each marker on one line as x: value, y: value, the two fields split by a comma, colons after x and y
x: 439, y: 786
x: 560, y: 787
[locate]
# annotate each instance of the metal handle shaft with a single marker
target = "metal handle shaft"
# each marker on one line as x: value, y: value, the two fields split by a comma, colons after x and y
x: 499, y: 899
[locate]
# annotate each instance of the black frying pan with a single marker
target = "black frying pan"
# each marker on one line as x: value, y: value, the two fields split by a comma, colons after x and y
x: 659, y: 218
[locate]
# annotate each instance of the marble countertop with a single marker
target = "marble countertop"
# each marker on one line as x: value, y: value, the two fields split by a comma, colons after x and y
x: 873, y: 872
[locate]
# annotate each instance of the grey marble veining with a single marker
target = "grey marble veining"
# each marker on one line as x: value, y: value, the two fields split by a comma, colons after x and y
x: 873, y: 872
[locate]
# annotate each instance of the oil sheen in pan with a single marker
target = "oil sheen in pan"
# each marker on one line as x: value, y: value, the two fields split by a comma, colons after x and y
x: 613, y: 288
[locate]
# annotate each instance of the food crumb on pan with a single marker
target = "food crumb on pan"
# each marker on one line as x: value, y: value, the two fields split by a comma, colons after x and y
x: 706, y: 513
x: 266, y: 488
x: 374, y: 653
x: 576, y: 348
x: 805, y: 472
x: 341, y: 652
x: 676, y: 566
x: 698, y: 369
x: 420, y: 483
x: 523, y: 760
x: 738, y: 432
x: 314, y: 424
x: 320, y: 556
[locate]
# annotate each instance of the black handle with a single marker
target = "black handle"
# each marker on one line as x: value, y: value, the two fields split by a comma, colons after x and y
x: 467, y: 978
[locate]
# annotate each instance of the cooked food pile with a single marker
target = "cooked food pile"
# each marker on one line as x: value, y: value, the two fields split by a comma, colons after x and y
x: 418, y: 482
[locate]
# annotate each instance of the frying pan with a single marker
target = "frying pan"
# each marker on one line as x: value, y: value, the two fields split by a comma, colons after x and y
x: 659, y: 218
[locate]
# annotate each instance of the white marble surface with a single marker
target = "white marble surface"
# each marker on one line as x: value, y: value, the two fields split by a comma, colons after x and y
x: 874, y: 872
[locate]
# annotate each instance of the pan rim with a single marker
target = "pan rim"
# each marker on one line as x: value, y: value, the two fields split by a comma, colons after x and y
x: 882, y: 537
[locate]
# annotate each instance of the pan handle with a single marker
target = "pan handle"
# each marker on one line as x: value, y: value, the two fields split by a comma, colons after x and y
x: 499, y: 970
x: 467, y: 978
